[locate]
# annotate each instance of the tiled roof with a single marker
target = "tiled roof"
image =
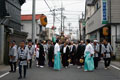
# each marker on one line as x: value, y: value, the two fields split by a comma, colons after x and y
x: 29, y: 17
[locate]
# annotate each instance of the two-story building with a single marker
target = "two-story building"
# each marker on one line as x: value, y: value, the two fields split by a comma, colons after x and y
x: 11, y: 27
x: 103, y: 21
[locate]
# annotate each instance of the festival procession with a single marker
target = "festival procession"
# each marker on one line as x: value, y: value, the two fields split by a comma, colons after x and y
x: 61, y: 54
x: 59, y: 40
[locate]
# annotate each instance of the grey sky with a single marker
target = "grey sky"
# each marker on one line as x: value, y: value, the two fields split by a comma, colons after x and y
x: 73, y: 10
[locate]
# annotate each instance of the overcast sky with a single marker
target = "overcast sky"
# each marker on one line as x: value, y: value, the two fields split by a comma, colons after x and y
x: 73, y: 10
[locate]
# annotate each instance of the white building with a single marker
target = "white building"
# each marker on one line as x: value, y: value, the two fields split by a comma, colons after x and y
x: 26, y: 21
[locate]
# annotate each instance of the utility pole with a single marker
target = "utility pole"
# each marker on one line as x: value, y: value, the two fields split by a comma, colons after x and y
x: 69, y: 24
x: 80, y: 21
x: 54, y: 14
x: 64, y: 23
x: 54, y: 17
x: 80, y: 29
x: 61, y: 16
x: 33, y: 21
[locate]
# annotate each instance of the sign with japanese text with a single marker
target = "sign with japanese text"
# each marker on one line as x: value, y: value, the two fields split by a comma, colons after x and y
x: 104, y: 12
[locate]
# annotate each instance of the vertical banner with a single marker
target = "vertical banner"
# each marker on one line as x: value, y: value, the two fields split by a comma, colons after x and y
x: 104, y: 12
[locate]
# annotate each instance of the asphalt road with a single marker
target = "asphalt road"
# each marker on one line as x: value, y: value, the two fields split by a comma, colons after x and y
x: 71, y: 73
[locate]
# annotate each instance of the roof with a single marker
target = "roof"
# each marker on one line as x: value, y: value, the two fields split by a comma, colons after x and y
x: 29, y: 17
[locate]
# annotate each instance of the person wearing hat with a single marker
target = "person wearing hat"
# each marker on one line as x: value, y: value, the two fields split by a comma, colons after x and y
x: 96, y: 54
x: 12, y: 56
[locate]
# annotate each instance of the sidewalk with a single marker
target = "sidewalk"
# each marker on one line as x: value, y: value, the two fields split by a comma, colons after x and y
x: 4, y: 69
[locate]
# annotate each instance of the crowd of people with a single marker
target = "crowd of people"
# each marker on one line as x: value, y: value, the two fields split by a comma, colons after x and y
x: 66, y: 53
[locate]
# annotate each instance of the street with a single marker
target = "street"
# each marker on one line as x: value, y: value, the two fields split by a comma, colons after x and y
x: 72, y: 73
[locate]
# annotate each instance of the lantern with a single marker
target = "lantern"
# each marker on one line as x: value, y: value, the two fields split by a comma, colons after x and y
x: 43, y: 20
x: 105, y: 31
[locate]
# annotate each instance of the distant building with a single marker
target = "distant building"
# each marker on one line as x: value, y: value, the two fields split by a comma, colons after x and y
x: 103, y: 21
x: 26, y: 21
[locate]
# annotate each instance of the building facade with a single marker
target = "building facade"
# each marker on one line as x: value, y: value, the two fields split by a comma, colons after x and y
x: 103, y: 21
x: 41, y: 32
x: 12, y: 25
x: 26, y: 21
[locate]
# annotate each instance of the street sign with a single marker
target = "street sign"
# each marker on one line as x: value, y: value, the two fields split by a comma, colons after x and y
x: 104, y: 12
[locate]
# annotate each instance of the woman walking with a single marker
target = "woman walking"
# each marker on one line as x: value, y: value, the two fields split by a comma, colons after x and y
x: 88, y: 54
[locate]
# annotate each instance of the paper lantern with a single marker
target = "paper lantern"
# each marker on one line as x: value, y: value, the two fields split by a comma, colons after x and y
x: 43, y: 20
x: 105, y: 31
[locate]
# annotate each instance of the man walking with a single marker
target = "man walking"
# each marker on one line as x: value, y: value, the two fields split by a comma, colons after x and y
x: 80, y: 54
x: 13, y: 55
x: 96, y: 54
x: 23, y: 58
x: 65, y: 53
x: 31, y: 52
x: 107, y: 53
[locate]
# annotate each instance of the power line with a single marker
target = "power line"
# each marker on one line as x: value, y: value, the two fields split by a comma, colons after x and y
x: 50, y: 8
x: 47, y: 5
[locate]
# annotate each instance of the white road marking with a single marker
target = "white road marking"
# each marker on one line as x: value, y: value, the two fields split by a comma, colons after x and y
x: 1, y: 76
x: 115, y: 67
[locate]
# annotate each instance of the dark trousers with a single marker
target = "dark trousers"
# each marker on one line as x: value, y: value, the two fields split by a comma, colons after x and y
x: 20, y: 70
x: 50, y: 62
x: 13, y: 66
x: 72, y: 59
x: 29, y: 64
x: 65, y: 60
x: 96, y: 60
x: 107, y: 62
x: 41, y: 61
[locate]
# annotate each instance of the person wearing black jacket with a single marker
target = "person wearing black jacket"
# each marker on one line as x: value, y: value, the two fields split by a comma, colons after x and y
x: 72, y: 53
x: 51, y: 54
x: 41, y: 56
x: 65, y: 55
x: 80, y: 54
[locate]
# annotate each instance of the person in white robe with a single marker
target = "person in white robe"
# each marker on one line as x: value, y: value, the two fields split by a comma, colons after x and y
x: 88, y: 54
x: 57, y: 56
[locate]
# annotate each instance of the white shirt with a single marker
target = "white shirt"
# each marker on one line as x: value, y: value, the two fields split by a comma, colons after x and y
x: 13, y: 52
x: 71, y: 48
x: 37, y: 52
x: 64, y: 49
x: 31, y: 51
x: 96, y: 48
x: 89, y: 48
x: 57, y: 48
